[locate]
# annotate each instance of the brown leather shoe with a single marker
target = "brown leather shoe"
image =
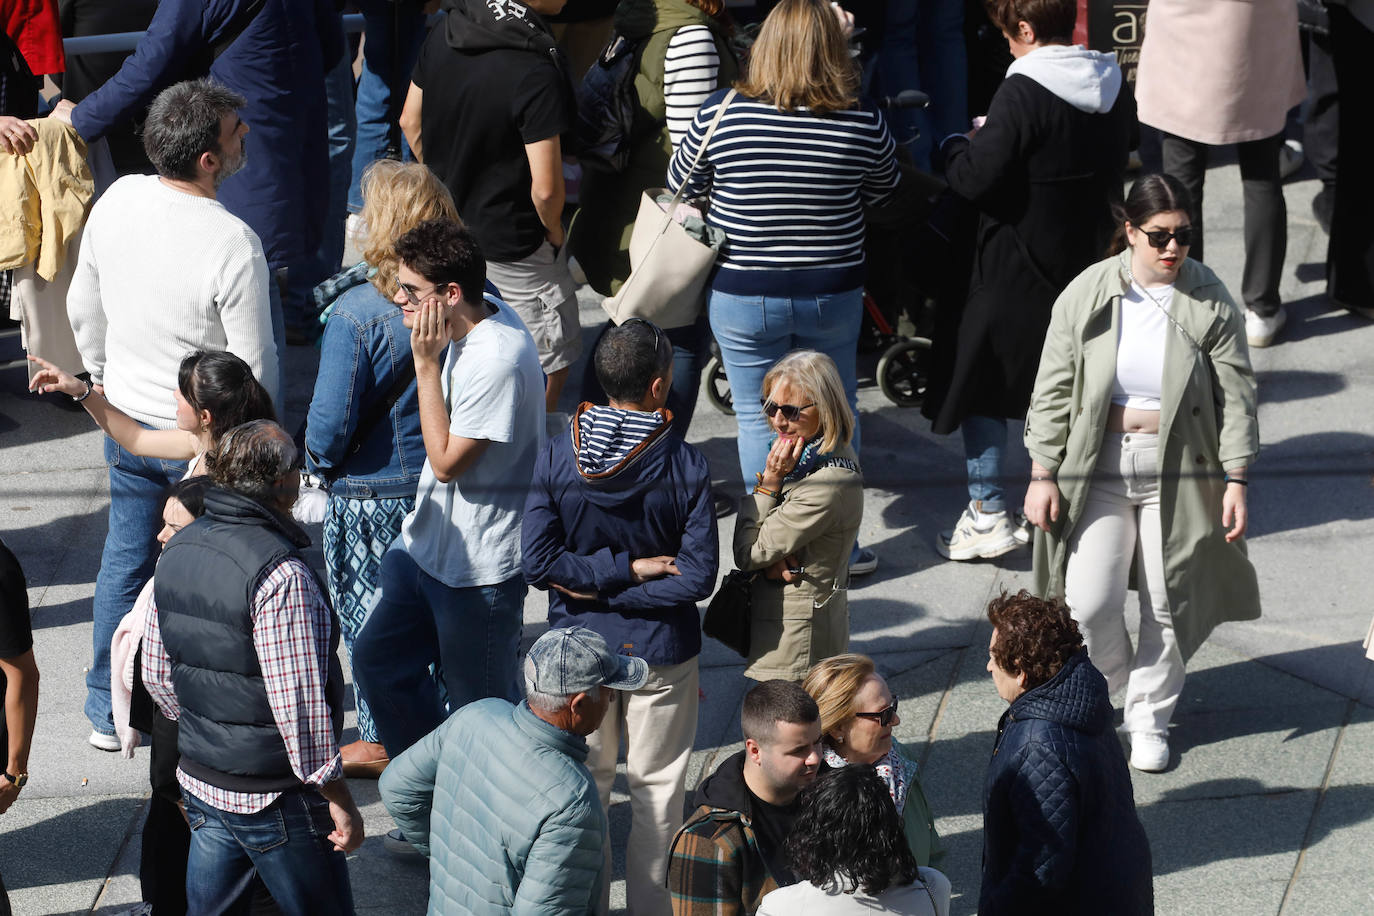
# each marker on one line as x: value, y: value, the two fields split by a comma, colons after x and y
x: 364, y: 759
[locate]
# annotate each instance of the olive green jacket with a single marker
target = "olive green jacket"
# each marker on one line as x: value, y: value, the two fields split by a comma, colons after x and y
x: 1207, y: 425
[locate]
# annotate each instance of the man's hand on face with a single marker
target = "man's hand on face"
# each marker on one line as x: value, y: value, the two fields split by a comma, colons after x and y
x: 430, y: 334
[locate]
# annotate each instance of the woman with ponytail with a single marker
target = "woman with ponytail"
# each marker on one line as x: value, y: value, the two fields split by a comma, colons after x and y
x: 1141, y: 429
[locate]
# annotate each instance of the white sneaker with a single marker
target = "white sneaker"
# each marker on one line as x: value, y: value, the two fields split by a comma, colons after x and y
x: 978, y: 535
x: 1149, y: 752
x: 103, y: 742
x: 1020, y: 527
x: 1290, y: 159
x: 1261, y: 331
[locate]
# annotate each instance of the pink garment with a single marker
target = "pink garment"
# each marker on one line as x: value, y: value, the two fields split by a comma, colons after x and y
x: 123, y: 650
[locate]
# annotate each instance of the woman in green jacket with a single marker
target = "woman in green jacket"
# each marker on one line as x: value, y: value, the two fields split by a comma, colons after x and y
x: 1141, y: 428
x: 858, y: 714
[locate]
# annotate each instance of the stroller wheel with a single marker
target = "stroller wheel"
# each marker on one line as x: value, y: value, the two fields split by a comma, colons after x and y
x: 718, y: 386
x: 903, y: 372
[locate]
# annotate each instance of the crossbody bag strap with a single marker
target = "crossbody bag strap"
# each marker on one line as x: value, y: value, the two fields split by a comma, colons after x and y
x: 706, y: 138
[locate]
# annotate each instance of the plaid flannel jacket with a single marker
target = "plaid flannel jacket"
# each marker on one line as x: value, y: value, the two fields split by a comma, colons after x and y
x: 715, y: 867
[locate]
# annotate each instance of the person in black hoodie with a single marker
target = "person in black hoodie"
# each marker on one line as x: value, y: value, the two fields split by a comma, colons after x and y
x: 1060, y: 832
x: 489, y: 97
x: 620, y: 528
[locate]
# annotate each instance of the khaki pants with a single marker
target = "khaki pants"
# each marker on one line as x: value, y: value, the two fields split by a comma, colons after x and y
x: 659, y: 722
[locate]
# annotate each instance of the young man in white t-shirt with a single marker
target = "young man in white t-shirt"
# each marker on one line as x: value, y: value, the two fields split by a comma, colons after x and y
x: 452, y: 591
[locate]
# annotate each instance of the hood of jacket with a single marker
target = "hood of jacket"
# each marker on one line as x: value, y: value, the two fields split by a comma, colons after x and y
x: 638, y: 19
x: 619, y: 452
x: 1088, y: 80
x: 1076, y: 697
x: 725, y: 787
x: 487, y: 25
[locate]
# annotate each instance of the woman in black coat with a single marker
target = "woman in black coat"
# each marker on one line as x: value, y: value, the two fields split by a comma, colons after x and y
x: 1060, y: 832
x: 1043, y: 172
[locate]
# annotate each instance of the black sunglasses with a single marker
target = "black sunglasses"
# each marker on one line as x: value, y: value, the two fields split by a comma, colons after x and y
x: 1159, y: 238
x: 790, y: 412
x: 883, y: 717
x: 658, y: 334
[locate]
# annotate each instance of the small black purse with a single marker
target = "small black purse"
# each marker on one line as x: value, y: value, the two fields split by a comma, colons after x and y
x: 727, y: 616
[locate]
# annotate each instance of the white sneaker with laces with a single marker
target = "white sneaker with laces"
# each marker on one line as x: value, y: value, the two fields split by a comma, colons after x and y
x: 1149, y: 752
x: 978, y: 535
x: 103, y: 742
x: 1261, y: 331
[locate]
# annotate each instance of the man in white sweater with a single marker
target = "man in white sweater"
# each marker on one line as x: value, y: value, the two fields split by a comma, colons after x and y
x: 163, y: 270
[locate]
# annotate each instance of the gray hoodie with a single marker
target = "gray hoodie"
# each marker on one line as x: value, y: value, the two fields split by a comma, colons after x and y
x: 1088, y: 80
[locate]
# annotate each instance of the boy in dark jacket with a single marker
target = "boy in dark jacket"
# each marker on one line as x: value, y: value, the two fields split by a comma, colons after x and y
x: 1060, y: 832
x: 619, y: 527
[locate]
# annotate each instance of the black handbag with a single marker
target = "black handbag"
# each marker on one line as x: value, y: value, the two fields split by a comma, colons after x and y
x: 727, y: 616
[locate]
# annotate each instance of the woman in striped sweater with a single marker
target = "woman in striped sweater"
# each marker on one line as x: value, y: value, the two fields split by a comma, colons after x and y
x: 789, y: 169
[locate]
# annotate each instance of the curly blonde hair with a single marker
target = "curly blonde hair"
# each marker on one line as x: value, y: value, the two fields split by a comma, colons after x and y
x: 801, y: 60
x: 833, y: 682
x: 397, y: 197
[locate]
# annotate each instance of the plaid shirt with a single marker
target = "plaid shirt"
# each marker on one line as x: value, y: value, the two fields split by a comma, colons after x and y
x: 715, y: 867
x: 291, y: 634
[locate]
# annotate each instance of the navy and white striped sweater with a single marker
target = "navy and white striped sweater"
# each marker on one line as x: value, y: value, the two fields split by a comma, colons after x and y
x: 788, y: 188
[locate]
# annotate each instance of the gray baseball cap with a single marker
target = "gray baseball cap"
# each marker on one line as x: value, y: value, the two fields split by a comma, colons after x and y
x: 575, y: 659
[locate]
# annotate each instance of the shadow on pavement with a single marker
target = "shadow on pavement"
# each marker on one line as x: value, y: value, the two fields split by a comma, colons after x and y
x: 1311, y: 480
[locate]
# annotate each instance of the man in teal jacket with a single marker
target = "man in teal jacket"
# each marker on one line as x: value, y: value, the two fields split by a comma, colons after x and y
x: 499, y: 796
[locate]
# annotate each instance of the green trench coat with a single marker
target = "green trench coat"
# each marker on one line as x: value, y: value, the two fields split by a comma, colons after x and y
x: 1207, y: 425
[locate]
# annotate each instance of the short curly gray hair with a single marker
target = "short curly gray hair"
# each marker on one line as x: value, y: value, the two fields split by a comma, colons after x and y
x: 183, y: 122
x: 253, y: 458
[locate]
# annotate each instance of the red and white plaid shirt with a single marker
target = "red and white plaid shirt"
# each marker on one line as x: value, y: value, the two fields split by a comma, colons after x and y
x: 291, y: 626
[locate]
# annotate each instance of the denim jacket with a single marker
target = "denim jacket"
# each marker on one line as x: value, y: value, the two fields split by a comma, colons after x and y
x: 364, y: 346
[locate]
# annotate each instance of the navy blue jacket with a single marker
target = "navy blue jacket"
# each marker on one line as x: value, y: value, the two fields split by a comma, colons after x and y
x: 583, y: 532
x: 1060, y: 833
x: 278, y: 64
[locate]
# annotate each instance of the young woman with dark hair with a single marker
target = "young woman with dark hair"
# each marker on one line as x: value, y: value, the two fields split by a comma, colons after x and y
x: 849, y: 853
x: 1141, y: 426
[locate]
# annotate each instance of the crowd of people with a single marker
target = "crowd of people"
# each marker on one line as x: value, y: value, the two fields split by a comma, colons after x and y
x: 452, y: 483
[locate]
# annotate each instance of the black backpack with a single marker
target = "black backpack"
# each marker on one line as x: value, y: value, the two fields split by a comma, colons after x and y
x: 606, y: 105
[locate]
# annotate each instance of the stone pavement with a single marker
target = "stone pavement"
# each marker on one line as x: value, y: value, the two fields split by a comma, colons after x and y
x: 1266, y: 808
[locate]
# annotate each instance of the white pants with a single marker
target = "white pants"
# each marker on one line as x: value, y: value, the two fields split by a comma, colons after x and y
x: 659, y: 722
x: 1121, y: 519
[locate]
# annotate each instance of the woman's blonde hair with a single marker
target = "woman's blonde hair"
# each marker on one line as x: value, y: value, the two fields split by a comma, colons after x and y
x: 397, y: 197
x: 816, y: 375
x: 833, y: 683
x: 801, y: 60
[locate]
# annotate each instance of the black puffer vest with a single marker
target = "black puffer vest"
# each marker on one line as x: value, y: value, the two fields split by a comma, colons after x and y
x: 204, y: 590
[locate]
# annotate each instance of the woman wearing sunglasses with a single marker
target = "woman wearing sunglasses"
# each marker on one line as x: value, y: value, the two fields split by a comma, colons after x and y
x: 1140, y: 431
x: 801, y: 523
x: 858, y: 714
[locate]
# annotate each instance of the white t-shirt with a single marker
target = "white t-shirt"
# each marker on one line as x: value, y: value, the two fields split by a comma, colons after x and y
x: 467, y: 532
x: 1144, y: 327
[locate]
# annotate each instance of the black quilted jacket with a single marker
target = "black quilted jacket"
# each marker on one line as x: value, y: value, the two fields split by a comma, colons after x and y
x: 1060, y: 833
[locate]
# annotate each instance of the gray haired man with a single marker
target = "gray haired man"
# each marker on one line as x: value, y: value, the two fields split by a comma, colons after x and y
x: 499, y: 796
x: 163, y: 270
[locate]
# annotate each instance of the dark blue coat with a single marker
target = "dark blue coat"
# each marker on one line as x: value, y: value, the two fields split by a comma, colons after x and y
x: 1060, y: 833
x: 583, y: 533
x: 278, y: 64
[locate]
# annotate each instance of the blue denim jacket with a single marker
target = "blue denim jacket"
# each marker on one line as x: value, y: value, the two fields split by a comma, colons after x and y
x: 364, y: 346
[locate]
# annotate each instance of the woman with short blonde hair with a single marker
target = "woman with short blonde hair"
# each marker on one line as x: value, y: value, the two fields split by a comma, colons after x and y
x: 363, y: 430
x: 816, y: 373
x: 789, y: 167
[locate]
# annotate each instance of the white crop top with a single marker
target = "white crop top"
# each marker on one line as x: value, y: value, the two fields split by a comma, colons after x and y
x: 1140, y: 347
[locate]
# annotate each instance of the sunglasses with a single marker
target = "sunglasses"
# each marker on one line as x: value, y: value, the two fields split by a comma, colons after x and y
x: 1159, y: 238
x: 658, y: 334
x: 883, y: 717
x: 790, y: 412
x: 413, y: 293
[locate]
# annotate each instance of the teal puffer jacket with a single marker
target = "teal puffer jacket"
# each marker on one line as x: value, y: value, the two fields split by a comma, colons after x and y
x: 503, y: 806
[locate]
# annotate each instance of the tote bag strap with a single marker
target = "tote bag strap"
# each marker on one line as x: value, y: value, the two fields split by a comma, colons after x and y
x: 706, y: 138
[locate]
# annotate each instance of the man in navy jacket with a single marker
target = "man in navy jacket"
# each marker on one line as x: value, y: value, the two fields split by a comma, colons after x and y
x: 275, y: 54
x: 620, y: 528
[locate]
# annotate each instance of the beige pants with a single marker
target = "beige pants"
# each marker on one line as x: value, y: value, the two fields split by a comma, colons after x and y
x: 659, y: 723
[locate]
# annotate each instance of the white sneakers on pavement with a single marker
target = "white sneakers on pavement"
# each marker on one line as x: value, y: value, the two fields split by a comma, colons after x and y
x: 1149, y: 752
x: 1261, y: 331
x: 980, y: 535
x: 103, y: 742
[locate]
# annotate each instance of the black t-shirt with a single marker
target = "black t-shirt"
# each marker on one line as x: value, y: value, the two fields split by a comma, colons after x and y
x: 479, y: 112
x: 772, y: 824
x: 16, y: 632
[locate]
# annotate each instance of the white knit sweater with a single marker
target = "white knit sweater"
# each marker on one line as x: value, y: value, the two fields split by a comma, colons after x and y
x: 162, y: 273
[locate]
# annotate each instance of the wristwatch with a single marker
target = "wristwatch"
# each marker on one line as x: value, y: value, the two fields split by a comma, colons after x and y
x: 19, y: 781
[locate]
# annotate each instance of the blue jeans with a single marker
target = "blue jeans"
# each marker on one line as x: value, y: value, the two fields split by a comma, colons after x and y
x: 754, y: 332
x: 391, y: 44
x: 285, y: 844
x: 985, y: 439
x: 923, y: 48
x: 136, y: 488
x: 343, y: 127
x: 472, y: 634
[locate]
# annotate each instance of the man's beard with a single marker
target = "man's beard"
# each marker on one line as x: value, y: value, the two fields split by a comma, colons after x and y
x: 231, y: 166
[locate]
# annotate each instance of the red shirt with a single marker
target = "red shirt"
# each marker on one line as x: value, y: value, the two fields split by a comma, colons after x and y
x: 35, y: 28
